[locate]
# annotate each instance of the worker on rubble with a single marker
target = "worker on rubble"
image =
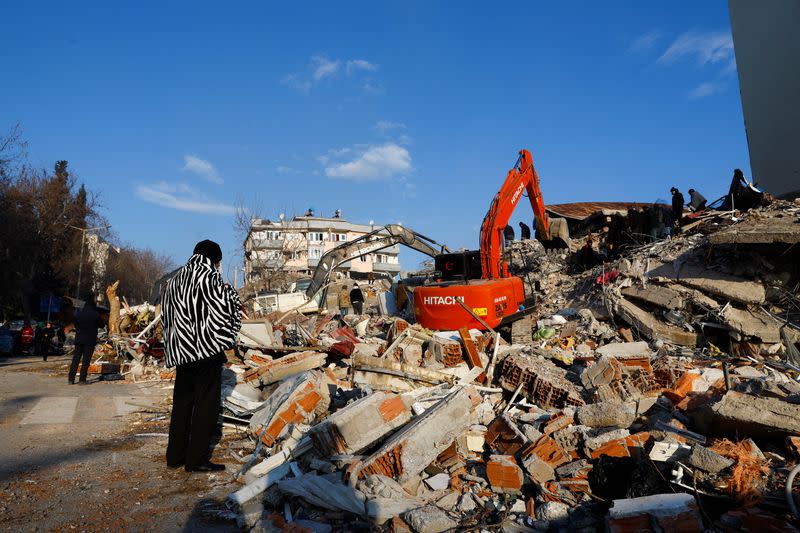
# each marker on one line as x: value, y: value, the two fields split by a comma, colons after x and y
x: 201, y: 317
x: 357, y: 299
x: 697, y: 202
x: 508, y: 233
x: 87, y: 322
x: 524, y: 231
x: 677, y: 206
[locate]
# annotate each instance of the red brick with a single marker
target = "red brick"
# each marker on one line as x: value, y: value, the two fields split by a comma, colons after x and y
x: 548, y: 450
x: 682, y: 387
x: 503, y: 473
x: 630, y: 446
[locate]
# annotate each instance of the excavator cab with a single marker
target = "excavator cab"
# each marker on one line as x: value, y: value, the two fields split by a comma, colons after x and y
x: 458, y: 266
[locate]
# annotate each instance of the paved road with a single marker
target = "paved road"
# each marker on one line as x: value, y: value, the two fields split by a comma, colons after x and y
x: 45, y: 419
x: 91, y: 458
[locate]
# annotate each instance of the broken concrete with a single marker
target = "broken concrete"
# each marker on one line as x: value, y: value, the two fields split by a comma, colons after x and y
x: 659, y: 512
x: 656, y: 295
x: 409, y: 451
x: 707, y: 460
x: 653, y: 328
x: 607, y: 414
x: 429, y: 519
x: 274, y: 371
x: 360, y: 424
x: 751, y: 415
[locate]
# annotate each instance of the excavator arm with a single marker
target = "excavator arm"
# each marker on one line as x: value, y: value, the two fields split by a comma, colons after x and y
x: 372, y: 242
x: 521, y: 178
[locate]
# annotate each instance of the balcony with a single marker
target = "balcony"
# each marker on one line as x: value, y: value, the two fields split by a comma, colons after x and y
x: 260, y: 262
x: 392, y: 268
x: 266, y: 244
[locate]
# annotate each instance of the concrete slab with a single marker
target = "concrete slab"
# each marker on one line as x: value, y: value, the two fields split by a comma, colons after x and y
x: 52, y: 410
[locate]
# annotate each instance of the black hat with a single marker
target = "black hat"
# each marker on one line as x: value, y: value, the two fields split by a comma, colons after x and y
x: 691, y: 191
x: 209, y: 249
x: 673, y: 190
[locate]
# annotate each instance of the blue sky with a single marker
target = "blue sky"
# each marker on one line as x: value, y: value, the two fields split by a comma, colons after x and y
x: 407, y: 112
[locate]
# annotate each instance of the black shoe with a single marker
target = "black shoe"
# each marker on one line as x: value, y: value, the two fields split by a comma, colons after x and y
x: 83, y: 382
x: 175, y: 465
x: 71, y: 381
x: 208, y: 466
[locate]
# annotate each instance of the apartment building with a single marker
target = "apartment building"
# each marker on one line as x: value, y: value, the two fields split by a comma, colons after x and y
x: 295, y: 247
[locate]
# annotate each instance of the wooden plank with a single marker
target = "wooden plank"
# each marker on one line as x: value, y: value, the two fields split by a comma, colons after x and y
x: 474, y: 359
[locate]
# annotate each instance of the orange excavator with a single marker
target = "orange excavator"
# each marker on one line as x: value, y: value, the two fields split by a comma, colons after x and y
x: 481, y: 279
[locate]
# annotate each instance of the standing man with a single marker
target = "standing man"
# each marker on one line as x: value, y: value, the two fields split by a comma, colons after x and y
x: 357, y: 299
x: 508, y: 233
x: 47, y: 340
x: 697, y: 201
x: 87, y: 321
x: 677, y: 206
x: 201, y: 317
x: 524, y: 231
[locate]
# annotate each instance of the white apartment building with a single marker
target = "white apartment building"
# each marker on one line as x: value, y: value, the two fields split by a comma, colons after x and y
x: 295, y: 246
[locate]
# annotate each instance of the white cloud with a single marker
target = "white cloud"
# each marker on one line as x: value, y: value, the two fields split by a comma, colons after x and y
x: 181, y: 197
x: 202, y: 168
x: 704, y: 89
x: 360, y: 64
x: 372, y: 163
x: 295, y: 81
x: 705, y: 47
x: 645, y: 42
x: 323, y: 67
x: 372, y: 88
x: 384, y: 125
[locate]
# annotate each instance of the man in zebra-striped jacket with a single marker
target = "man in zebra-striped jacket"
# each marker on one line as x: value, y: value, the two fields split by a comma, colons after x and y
x: 201, y: 317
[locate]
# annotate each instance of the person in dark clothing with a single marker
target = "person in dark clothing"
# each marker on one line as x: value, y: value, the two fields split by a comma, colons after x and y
x: 508, y: 233
x: 47, y: 340
x: 742, y: 195
x: 524, y: 231
x: 677, y: 205
x: 697, y: 201
x: 87, y: 322
x: 357, y: 299
x: 201, y: 318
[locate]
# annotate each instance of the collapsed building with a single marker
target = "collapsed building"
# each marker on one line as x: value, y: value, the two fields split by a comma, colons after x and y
x: 656, y: 390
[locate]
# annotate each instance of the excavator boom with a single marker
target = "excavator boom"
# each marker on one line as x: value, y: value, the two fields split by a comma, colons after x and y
x: 497, y: 298
x: 372, y: 242
x: 522, y: 178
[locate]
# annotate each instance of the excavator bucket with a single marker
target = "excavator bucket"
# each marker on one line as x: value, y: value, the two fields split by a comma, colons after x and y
x: 559, y: 234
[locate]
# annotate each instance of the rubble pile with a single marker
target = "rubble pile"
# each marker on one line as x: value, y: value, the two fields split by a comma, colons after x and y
x: 654, y: 392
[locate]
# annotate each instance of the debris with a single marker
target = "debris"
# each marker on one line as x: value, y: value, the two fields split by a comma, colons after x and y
x: 659, y: 512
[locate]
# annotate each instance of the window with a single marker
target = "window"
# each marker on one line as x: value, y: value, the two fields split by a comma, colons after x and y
x: 273, y: 235
x: 314, y: 253
x: 339, y: 237
x: 363, y: 258
x: 316, y: 236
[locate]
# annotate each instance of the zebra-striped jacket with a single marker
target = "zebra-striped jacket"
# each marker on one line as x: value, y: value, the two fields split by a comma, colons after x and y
x: 200, y: 315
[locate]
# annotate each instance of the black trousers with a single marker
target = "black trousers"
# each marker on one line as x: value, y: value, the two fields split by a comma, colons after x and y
x: 196, y: 405
x: 83, y: 355
x: 358, y: 306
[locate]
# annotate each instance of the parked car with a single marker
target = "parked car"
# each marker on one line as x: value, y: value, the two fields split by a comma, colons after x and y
x: 6, y: 341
